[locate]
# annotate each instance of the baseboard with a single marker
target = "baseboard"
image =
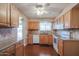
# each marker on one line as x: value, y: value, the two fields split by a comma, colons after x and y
x: 41, y: 44
x: 44, y: 45
x: 36, y: 44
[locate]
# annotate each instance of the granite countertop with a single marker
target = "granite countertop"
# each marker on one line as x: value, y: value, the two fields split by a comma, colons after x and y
x: 7, y: 46
x: 12, y: 43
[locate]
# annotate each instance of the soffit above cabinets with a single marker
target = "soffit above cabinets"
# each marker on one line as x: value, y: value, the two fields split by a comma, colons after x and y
x: 52, y: 9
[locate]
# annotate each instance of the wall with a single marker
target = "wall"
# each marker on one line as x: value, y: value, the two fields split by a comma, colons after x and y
x: 7, y: 37
x: 25, y: 30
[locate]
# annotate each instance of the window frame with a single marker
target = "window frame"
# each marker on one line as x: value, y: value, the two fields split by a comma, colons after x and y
x: 45, y: 26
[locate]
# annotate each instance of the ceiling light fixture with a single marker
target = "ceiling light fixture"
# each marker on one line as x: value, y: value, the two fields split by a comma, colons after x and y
x: 40, y: 10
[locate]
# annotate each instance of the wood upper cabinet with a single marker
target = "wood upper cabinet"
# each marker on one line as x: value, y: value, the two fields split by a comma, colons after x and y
x: 4, y: 14
x: 71, y: 18
x: 62, y: 19
x: 55, y: 24
x: 61, y: 22
x: 14, y: 16
x: 67, y: 18
x: 33, y: 25
x: 9, y: 16
x: 75, y: 18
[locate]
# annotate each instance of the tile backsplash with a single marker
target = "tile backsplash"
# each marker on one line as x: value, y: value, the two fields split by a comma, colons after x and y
x: 7, y: 36
x: 73, y: 34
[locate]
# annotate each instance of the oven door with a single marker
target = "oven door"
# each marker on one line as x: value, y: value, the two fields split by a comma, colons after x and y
x: 55, y: 44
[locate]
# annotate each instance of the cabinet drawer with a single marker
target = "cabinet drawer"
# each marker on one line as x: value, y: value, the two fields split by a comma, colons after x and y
x: 60, y: 47
x: 50, y: 39
x: 43, y: 39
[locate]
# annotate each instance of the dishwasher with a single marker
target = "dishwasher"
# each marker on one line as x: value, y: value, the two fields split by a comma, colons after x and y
x: 35, y: 39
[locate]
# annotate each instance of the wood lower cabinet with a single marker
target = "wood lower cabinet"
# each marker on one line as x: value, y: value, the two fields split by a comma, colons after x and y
x: 46, y: 39
x: 43, y: 39
x: 50, y: 39
x: 30, y: 39
x: 68, y: 47
x: 60, y: 47
x: 19, y: 49
x: 9, y: 16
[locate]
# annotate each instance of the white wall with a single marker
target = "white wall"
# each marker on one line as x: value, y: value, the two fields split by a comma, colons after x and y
x: 25, y: 31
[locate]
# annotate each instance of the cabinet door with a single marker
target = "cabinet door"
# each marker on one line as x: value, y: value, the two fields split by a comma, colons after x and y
x: 36, y: 25
x: 75, y: 18
x: 67, y: 19
x: 30, y: 39
x: 61, y: 22
x: 60, y: 47
x: 30, y: 25
x: 72, y: 18
x: 14, y: 16
x: 4, y: 14
x: 43, y: 39
x: 50, y: 39
x: 19, y: 49
x: 33, y: 25
x: 56, y: 24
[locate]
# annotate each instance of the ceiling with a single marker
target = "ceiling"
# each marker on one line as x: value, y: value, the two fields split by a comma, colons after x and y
x: 53, y: 9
